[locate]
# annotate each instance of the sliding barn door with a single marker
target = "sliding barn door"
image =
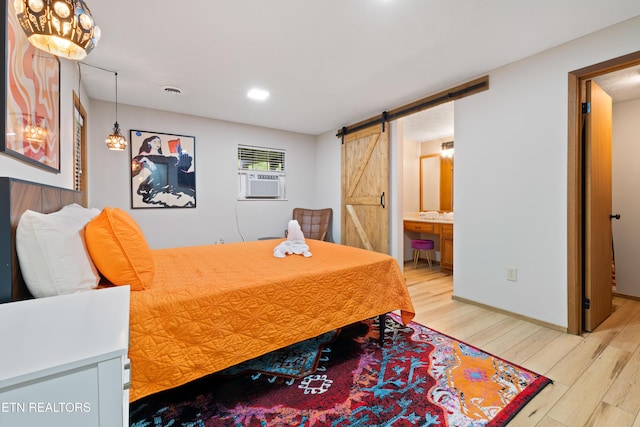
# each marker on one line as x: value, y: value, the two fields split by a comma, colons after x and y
x: 365, y: 189
x: 598, y: 251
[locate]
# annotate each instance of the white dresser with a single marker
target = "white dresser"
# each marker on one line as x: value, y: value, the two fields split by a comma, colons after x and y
x: 63, y: 360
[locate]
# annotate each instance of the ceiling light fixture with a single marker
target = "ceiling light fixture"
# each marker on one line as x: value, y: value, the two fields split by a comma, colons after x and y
x: 62, y: 27
x: 447, y: 149
x: 115, y: 141
x: 258, y: 94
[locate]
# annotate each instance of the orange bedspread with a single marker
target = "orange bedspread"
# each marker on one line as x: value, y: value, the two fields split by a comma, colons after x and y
x: 211, y: 307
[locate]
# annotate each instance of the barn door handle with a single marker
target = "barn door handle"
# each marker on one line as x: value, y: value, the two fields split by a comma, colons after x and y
x: 382, y: 200
x: 612, y: 216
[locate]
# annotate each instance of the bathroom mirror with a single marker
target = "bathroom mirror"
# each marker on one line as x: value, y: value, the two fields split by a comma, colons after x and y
x: 436, y: 183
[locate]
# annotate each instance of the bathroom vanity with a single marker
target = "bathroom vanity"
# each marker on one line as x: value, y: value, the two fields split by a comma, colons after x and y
x: 440, y: 230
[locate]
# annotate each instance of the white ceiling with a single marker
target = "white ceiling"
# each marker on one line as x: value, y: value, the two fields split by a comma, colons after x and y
x: 429, y: 125
x: 327, y: 63
x: 622, y: 85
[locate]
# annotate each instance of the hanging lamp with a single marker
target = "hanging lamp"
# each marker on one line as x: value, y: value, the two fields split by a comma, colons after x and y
x: 115, y: 141
x: 64, y: 28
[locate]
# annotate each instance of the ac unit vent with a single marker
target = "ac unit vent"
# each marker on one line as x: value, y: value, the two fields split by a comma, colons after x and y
x: 263, y: 186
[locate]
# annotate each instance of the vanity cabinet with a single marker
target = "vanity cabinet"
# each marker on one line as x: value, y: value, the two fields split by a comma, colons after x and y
x: 422, y: 227
x: 444, y: 231
x: 446, y: 247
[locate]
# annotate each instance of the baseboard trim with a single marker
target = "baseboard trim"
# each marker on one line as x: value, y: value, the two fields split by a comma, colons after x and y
x: 631, y: 297
x: 512, y: 314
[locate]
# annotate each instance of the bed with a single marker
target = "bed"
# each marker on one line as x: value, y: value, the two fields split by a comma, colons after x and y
x: 210, y: 307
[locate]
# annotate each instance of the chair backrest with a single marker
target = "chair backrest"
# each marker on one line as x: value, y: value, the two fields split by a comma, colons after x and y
x: 314, y: 223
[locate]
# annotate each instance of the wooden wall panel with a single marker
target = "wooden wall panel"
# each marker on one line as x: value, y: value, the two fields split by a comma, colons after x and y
x: 16, y: 196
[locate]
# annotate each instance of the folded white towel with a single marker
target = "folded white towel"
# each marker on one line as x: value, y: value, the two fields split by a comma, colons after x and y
x: 448, y: 216
x: 429, y: 215
x: 294, y: 245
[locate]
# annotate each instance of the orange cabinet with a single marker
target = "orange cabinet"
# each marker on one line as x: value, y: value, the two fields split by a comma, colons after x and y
x: 446, y: 247
x: 420, y: 227
x: 445, y: 234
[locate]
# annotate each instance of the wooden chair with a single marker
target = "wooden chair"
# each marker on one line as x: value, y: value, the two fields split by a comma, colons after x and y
x: 315, y: 223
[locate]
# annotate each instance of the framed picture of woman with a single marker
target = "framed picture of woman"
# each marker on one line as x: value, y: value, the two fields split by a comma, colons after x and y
x: 163, y: 172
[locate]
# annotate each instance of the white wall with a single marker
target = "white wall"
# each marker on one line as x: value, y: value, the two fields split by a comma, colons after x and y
x: 511, y: 178
x: 432, y: 147
x: 395, y: 198
x: 329, y: 177
x: 411, y: 166
x: 218, y: 214
x: 626, y: 188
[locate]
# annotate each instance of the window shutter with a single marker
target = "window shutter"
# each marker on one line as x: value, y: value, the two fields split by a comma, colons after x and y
x: 260, y: 159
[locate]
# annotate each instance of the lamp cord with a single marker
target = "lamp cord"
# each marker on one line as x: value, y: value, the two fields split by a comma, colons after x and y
x: 79, y: 83
x: 109, y: 71
x: 116, y: 73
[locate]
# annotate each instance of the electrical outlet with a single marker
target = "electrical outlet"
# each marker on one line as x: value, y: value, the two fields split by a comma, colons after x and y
x: 512, y: 274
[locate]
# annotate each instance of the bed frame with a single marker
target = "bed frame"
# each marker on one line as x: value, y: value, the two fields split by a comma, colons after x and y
x: 16, y: 196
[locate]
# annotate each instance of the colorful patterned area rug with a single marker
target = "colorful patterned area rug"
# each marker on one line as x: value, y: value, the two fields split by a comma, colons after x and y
x: 344, y: 378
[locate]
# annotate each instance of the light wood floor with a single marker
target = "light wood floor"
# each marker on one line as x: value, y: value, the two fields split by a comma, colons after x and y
x: 596, y: 376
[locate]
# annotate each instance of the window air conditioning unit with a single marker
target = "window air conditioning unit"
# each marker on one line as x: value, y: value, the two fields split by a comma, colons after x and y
x: 263, y: 185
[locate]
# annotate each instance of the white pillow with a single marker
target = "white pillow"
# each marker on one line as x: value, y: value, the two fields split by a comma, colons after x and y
x: 52, y: 252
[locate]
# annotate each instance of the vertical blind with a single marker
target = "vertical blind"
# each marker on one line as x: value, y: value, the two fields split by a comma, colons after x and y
x: 77, y: 152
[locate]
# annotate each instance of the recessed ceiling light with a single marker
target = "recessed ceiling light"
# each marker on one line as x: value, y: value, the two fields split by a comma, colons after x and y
x: 258, y: 94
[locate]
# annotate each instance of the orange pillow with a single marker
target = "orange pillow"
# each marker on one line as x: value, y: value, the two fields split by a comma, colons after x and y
x: 119, y: 249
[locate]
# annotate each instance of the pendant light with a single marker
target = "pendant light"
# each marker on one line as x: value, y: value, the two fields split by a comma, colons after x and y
x: 64, y: 28
x: 115, y: 141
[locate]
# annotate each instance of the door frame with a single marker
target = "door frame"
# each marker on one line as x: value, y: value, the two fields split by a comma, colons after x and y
x: 80, y: 158
x: 575, y: 157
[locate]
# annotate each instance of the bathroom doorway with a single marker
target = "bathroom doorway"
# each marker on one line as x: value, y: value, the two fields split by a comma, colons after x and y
x: 579, y: 251
x: 424, y: 134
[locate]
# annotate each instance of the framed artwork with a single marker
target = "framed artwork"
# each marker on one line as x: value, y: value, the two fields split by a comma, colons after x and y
x: 32, y: 99
x: 163, y: 170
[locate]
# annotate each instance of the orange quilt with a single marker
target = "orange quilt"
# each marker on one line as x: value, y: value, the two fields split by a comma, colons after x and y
x: 211, y: 307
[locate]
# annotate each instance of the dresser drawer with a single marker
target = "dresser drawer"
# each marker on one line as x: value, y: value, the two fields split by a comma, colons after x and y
x: 421, y: 227
x: 447, y: 230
